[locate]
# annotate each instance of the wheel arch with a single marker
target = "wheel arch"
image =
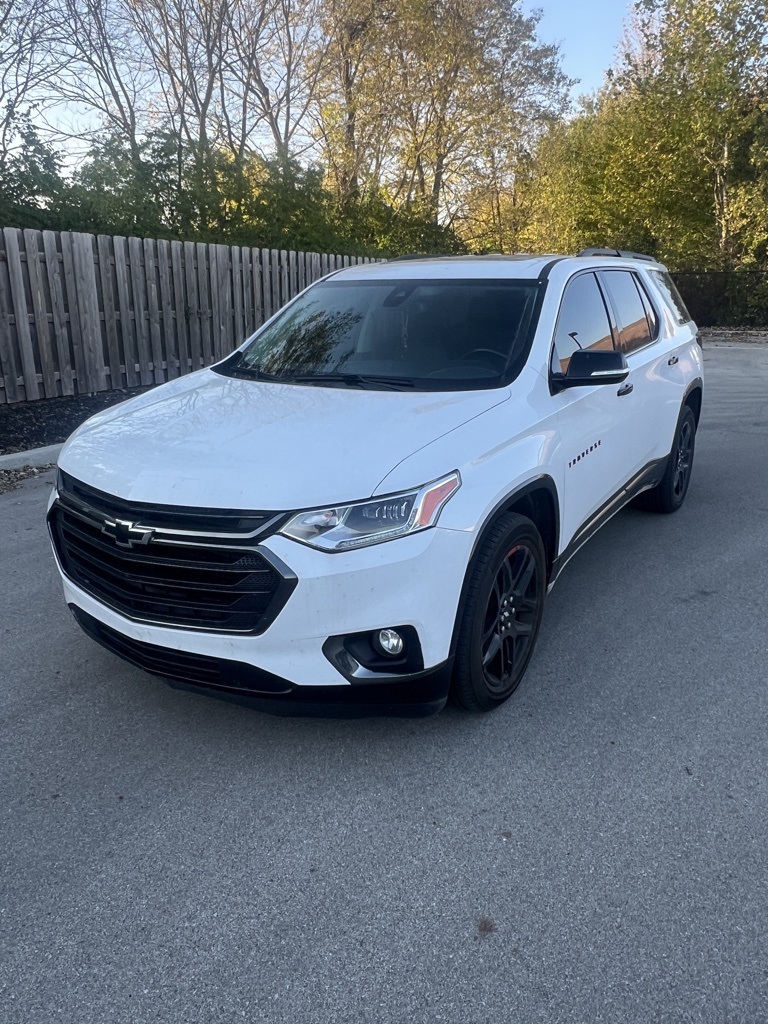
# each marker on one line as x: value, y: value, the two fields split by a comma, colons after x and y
x: 537, y: 500
x: 693, y: 398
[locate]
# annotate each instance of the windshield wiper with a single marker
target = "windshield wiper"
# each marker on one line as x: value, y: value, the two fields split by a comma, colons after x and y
x: 351, y: 380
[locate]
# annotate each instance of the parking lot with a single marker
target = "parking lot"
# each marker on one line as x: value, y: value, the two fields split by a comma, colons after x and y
x: 595, y: 851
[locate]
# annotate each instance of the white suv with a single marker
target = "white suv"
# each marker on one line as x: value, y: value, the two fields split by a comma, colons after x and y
x: 363, y: 507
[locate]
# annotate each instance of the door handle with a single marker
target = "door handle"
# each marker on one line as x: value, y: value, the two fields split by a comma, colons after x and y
x: 673, y: 361
x: 626, y: 389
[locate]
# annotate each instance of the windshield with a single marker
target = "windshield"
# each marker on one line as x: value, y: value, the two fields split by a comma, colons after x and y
x: 426, y: 335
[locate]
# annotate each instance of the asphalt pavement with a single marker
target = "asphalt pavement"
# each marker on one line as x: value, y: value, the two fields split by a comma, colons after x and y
x: 595, y: 851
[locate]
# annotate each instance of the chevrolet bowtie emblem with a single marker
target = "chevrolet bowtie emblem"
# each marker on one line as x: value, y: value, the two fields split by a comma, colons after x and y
x: 125, y: 533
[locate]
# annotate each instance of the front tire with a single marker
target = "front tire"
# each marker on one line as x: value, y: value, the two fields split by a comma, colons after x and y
x: 501, y: 615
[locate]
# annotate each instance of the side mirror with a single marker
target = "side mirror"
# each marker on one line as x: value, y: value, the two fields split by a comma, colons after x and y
x: 589, y: 367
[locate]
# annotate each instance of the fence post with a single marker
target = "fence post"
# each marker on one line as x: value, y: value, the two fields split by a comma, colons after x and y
x: 141, y: 325
x: 54, y: 268
x: 204, y: 302
x: 128, y: 327
x: 225, y: 301
x: 88, y: 304
x: 40, y: 312
x: 180, y: 305
x: 258, y: 289
x: 7, y: 357
x: 153, y: 310
x: 238, y: 331
x: 19, y: 298
x: 169, y: 348
x: 108, y: 301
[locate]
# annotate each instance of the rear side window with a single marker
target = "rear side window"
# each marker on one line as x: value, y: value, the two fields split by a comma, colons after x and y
x: 668, y: 289
x: 650, y: 312
x: 582, y: 323
x: 634, y: 329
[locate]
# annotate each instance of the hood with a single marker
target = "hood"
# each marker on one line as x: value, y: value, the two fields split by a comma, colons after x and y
x: 221, y: 442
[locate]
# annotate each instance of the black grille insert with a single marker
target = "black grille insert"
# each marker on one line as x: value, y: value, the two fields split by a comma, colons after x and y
x: 183, y: 666
x: 171, y: 568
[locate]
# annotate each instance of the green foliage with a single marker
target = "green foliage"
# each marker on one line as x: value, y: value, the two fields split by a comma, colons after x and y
x: 167, y: 190
x: 119, y: 192
x: 670, y: 158
x: 392, y: 230
x: 30, y: 180
x: 612, y: 178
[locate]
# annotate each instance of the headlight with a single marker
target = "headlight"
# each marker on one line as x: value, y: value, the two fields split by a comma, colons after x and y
x: 374, y: 521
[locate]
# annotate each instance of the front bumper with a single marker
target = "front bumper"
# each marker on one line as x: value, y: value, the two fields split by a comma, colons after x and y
x: 414, y: 696
x: 413, y: 581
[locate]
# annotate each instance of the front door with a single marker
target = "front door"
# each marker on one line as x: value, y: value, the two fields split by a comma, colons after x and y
x: 595, y: 423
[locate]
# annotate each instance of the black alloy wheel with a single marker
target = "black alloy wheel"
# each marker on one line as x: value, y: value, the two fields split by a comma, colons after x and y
x: 509, y: 618
x: 501, y: 615
x: 683, y: 459
x: 670, y: 494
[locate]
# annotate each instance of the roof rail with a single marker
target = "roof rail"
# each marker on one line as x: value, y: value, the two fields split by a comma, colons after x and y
x: 623, y: 253
x: 416, y: 256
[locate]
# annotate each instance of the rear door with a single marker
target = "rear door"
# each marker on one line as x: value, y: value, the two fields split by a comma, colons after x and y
x: 657, y: 383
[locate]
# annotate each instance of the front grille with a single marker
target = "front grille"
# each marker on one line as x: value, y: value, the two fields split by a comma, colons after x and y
x: 195, y: 569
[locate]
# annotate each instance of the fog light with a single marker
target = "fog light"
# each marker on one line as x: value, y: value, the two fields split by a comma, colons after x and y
x: 390, y: 643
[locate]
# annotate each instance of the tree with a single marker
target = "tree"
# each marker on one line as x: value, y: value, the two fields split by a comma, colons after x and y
x: 422, y: 112
x: 429, y: 101
x: 708, y: 75
x: 614, y: 177
x: 271, y: 71
x: 478, y: 88
x: 27, y: 60
x: 670, y: 156
x: 122, y: 191
x: 104, y: 70
x: 353, y: 99
x: 30, y: 179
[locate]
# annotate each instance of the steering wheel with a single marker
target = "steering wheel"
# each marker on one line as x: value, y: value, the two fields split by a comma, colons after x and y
x: 486, y: 352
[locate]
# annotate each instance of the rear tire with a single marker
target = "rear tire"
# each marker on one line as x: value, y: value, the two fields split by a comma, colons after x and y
x: 670, y: 494
x: 501, y: 615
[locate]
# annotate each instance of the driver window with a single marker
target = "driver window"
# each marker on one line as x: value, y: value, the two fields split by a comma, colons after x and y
x: 582, y: 323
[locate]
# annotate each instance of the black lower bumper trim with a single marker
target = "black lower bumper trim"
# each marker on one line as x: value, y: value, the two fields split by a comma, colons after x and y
x: 237, y: 681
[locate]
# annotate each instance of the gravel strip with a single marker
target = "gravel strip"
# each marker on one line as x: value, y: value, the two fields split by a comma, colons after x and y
x: 742, y: 335
x: 11, y: 478
x: 27, y: 425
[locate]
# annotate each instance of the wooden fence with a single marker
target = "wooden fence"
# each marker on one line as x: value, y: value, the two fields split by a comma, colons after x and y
x: 82, y: 313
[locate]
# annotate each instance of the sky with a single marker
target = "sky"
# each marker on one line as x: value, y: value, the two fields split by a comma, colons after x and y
x: 587, y: 30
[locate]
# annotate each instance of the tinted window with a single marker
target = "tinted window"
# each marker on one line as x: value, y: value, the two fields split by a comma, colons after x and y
x: 634, y: 331
x: 437, y: 334
x: 583, y: 321
x: 668, y: 289
x: 650, y: 312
